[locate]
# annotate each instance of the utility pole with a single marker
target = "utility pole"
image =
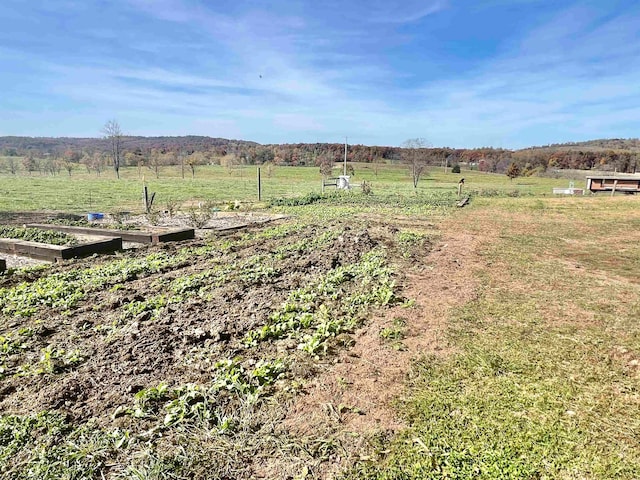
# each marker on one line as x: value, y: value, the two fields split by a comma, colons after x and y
x: 344, y: 170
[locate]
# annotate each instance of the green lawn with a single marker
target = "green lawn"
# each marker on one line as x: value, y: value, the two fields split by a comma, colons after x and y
x: 82, y: 191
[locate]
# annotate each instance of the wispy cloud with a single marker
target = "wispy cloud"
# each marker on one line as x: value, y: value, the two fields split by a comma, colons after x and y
x: 293, y: 71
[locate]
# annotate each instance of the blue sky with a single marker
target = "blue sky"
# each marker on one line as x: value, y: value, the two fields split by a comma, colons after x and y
x: 458, y: 73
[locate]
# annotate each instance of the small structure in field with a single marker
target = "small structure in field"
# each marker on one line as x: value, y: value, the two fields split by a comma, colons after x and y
x: 568, y: 191
x: 341, y: 182
x: 614, y: 183
x: 3, y: 265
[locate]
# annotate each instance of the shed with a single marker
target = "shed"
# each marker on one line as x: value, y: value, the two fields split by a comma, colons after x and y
x: 614, y: 183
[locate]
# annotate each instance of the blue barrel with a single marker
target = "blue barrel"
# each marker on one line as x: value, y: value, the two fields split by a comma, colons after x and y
x: 95, y: 216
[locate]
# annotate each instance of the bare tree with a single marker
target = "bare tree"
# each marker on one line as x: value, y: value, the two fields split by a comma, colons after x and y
x: 415, y: 155
x: 196, y: 158
x: 181, y: 154
x: 113, y: 133
x: 96, y: 161
x: 12, y: 164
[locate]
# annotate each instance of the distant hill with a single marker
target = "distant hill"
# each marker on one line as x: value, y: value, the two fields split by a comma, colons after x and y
x: 51, y: 145
x: 628, y: 144
x: 622, y: 155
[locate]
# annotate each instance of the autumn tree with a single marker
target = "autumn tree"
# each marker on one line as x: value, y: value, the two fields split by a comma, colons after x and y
x: 351, y: 171
x: 326, y: 165
x: 113, y: 133
x: 96, y: 162
x: 229, y: 161
x: 52, y: 165
x: 68, y: 166
x: 157, y: 159
x: 141, y: 160
x: 269, y: 168
x: 69, y: 159
x: 415, y: 155
x: 513, y: 170
x: 181, y: 154
x: 29, y: 162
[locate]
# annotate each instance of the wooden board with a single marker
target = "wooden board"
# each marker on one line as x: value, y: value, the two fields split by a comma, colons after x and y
x: 134, y: 236
x: 52, y: 253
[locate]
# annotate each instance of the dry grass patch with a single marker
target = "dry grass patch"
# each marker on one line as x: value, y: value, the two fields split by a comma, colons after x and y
x: 545, y: 381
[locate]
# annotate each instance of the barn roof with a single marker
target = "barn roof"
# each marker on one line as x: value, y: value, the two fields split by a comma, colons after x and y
x: 614, y: 177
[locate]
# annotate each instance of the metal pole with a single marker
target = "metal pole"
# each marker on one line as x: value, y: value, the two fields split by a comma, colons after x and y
x: 145, y: 198
x: 344, y: 170
x: 259, y: 186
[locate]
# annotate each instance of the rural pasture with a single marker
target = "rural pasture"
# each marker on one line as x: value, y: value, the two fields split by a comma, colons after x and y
x: 381, y: 336
x: 85, y: 192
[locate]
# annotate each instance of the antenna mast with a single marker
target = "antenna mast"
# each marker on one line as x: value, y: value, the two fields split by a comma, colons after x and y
x: 344, y: 170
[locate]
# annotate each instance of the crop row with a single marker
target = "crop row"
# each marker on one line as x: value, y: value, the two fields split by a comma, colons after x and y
x: 331, y: 305
x: 200, y: 404
x: 63, y: 290
x: 252, y: 270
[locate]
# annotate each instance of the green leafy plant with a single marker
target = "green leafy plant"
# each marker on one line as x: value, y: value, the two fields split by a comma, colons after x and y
x: 37, y: 235
x: 329, y: 306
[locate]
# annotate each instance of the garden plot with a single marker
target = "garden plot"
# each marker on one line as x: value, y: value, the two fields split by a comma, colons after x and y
x: 125, y: 357
x: 149, y: 235
x: 162, y: 228
x: 200, y: 219
x: 35, y: 243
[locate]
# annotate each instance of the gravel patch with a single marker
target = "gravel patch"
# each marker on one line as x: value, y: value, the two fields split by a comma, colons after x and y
x: 16, y: 261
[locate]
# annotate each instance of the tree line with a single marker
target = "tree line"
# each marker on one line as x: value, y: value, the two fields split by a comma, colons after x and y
x: 56, y: 155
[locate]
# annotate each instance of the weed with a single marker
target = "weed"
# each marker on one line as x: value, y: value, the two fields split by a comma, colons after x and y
x: 153, y: 304
x: 410, y: 241
x: 48, y: 446
x: 52, y: 360
x: 171, y: 207
x: 119, y: 217
x: 201, y: 405
x: 153, y: 217
x: 394, y: 334
x: 199, y: 217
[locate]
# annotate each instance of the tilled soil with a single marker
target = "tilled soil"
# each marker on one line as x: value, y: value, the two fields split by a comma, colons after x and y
x: 353, y: 399
x: 349, y: 389
x: 144, y: 351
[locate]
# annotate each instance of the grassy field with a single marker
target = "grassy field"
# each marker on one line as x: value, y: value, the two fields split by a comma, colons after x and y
x: 190, y: 361
x: 82, y: 192
x: 545, y: 376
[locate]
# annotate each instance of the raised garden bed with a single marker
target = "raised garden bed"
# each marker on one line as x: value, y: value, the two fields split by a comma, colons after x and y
x: 50, y: 237
x: 134, y: 236
x: 53, y: 253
